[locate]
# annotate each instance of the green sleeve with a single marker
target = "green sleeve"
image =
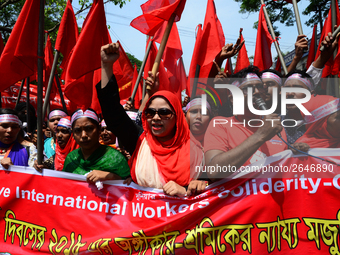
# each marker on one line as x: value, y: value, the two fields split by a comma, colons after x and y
x: 122, y: 168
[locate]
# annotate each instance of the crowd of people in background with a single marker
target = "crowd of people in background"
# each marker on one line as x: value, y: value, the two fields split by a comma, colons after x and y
x: 160, y: 144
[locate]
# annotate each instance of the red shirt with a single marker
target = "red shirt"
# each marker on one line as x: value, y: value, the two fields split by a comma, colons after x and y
x: 225, y: 137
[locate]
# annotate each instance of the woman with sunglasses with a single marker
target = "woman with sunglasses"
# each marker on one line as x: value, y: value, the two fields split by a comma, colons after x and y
x: 11, y: 151
x: 160, y: 154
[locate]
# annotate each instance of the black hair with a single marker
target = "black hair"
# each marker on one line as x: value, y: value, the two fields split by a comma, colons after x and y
x: 8, y: 111
x: 250, y: 69
x: 272, y: 71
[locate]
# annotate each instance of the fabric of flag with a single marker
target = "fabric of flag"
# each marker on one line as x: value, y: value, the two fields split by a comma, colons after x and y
x: 173, y: 50
x: 213, y: 37
x: 67, y: 34
x: 20, y: 56
x: 228, y: 66
x: 263, y: 56
x: 83, y: 62
x: 155, y: 12
x: 194, y: 59
x: 242, y: 60
x: 312, y: 50
x: 278, y: 65
x: 164, y: 83
x: 332, y: 67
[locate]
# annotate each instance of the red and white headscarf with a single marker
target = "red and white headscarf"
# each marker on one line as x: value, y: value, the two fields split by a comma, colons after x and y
x: 10, y: 118
x: 298, y: 77
x: 272, y: 76
x: 57, y: 113
x: 81, y: 114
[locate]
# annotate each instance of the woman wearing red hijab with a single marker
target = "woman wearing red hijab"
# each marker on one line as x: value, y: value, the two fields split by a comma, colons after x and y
x: 324, y: 124
x: 161, y: 149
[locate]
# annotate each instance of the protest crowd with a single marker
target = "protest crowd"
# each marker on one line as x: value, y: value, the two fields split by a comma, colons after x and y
x: 157, y: 140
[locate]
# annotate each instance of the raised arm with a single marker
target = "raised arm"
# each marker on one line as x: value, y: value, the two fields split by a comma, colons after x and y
x: 108, y: 95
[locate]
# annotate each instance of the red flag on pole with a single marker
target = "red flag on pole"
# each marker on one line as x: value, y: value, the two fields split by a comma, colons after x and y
x: 67, y: 34
x: 242, y: 60
x: 48, y: 63
x: 19, y: 58
x: 311, y: 54
x: 227, y: 67
x: 331, y: 66
x: 263, y: 55
x: 173, y: 50
x: 155, y: 12
x: 212, y: 39
x: 278, y: 65
x: 194, y: 59
x: 163, y: 76
x: 83, y: 62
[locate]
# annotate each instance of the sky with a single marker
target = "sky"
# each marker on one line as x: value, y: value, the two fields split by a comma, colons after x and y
x: 134, y: 42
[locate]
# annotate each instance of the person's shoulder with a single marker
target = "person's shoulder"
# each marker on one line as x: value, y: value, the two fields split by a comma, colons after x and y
x: 73, y: 153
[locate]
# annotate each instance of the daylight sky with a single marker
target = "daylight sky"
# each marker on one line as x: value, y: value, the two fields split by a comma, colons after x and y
x: 134, y: 42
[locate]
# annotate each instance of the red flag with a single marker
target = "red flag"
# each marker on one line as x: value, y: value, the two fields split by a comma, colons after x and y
x: 2, y: 46
x: 139, y: 93
x: 331, y: 67
x: 242, y: 60
x: 19, y: 57
x: 278, y: 65
x: 212, y: 39
x: 123, y: 71
x: 80, y: 78
x: 67, y: 34
x: 163, y: 76
x: 173, y: 50
x: 194, y: 59
x: 48, y: 62
x: 311, y: 54
x: 155, y: 12
x: 228, y: 67
x: 181, y: 75
x: 263, y: 55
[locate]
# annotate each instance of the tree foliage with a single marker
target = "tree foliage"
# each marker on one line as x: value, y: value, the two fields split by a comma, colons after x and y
x: 282, y: 11
x: 54, y: 9
x: 134, y: 60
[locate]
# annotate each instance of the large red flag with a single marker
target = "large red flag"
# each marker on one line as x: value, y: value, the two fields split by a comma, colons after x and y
x: 212, y: 39
x: 194, y: 59
x: 67, y: 34
x: 311, y: 54
x: 2, y: 46
x: 83, y: 62
x: 20, y: 55
x: 278, y: 65
x: 155, y: 12
x: 242, y: 60
x: 263, y: 55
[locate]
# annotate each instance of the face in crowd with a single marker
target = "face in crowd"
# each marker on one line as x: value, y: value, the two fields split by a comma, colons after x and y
x: 63, y: 134
x: 9, y: 132
x: 161, y: 119
x: 107, y: 136
x: 198, y: 123
x: 86, y: 133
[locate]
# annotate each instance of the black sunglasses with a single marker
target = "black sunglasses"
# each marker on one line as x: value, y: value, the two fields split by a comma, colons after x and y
x: 163, y: 113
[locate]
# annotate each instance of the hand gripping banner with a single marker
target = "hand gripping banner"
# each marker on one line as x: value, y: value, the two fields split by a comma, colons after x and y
x: 261, y: 212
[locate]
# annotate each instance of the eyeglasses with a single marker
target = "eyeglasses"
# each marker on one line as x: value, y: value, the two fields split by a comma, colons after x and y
x: 163, y: 113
